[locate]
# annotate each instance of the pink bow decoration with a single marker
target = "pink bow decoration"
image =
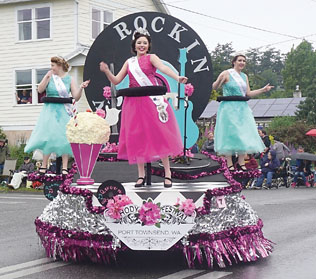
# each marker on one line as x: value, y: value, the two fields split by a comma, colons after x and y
x: 107, y: 92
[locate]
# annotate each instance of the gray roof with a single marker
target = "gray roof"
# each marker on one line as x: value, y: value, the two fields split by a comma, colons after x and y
x: 262, y: 108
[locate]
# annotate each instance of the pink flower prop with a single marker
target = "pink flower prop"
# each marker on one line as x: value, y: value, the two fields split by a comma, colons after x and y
x: 115, y: 205
x: 122, y: 200
x: 188, y: 207
x: 100, y: 112
x: 107, y: 92
x: 149, y: 213
x: 188, y: 89
x: 114, y: 209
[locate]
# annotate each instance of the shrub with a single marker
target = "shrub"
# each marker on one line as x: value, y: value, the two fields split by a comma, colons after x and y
x: 17, y: 152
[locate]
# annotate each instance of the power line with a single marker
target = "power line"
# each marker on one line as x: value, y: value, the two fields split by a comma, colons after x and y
x: 232, y: 22
x: 286, y: 41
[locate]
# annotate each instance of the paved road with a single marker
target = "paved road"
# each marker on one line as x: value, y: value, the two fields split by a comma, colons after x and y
x: 289, y: 216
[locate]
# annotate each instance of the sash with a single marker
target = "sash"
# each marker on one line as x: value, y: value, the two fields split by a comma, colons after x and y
x: 62, y: 91
x: 143, y: 80
x: 239, y: 80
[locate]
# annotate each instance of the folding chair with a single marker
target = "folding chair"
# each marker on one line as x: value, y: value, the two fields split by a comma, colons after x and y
x: 8, y: 169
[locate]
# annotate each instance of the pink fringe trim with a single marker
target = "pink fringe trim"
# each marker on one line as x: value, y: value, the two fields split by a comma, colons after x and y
x: 75, y: 246
x: 244, y: 244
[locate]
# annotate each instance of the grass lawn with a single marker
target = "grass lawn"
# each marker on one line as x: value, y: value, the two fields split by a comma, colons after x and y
x: 6, y: 189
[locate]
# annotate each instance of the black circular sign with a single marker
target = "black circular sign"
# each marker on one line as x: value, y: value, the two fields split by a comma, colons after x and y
x: 108, y: 189
x: 168, y: 34
x: 51, y: 189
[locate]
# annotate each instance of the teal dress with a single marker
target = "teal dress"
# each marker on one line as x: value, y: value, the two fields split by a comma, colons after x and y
x: 236, y: 130
x: 49, y: 134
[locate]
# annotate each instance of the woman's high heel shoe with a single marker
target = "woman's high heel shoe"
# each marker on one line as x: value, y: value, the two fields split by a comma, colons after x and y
x: 242, y: 167
x: 64, y: 171
x: 42, y: 171
x: 167, y: 185
x: 143, y: 179
x: 231, y: 168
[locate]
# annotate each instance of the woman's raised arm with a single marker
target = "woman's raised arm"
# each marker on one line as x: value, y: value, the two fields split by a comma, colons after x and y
x: 112, y: 78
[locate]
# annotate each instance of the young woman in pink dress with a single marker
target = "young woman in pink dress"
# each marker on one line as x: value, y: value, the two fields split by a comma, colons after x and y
x: 144, y: 137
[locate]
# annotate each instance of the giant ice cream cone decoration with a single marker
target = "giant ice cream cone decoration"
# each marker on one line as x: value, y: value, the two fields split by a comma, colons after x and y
x: 86, y: 135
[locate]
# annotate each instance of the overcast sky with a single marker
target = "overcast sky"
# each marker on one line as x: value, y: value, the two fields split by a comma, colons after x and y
x: 292, y: 18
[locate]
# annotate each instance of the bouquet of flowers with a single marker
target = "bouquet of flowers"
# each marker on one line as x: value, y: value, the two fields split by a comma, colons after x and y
x: 116, y: 205
x: 187, y: 206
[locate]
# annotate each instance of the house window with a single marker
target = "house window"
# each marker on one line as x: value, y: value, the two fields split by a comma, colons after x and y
x: 100, y: 20
x: 26, y: 86
x: 40, y: 73
x: 34, y: 23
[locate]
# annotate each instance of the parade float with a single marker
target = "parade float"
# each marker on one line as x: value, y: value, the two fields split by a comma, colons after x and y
x: 207, y: 219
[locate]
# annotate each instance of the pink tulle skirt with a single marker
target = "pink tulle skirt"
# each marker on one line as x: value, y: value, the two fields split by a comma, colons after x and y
x: 143, y: 137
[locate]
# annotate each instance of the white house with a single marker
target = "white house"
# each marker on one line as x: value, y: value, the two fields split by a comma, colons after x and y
x: 33, y: 31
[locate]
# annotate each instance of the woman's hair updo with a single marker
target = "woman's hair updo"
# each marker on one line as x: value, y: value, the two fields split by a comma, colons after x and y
x: 136, y: 36
x: 60, y: 62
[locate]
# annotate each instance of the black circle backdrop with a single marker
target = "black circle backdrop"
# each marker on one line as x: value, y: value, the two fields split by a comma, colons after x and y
x: 109, y: 189
x: 168, y: 34
x: 51, y: 189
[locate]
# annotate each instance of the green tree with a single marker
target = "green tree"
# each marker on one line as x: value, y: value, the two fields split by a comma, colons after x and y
x: 279, y: 94
x: 300, y: 67
x: 292, y: 132
x: 17, y: 152
x: 221, y: 58
x: 268, y: 76
x: 264, y: 67
x: 307, y: 109
x: 2, y: 134
x: 253, y: 61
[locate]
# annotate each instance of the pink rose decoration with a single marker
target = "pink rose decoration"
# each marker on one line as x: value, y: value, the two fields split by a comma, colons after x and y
x: 188, y: 207
x: 122, y: 200
x: 100, y: 112
x: 107, y: 92
x: 114, y: 209
x: 115, y: 205
x: 188, y: 89
x: 149, y: 213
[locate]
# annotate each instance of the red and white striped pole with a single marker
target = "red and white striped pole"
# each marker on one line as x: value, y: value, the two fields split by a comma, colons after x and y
x: 74, y: 111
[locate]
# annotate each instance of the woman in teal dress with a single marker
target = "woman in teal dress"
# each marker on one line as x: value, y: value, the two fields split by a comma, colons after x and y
x: 235, y: 130
x: 49, y: 134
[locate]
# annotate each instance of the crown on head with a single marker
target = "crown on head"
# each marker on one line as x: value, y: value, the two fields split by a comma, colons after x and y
x: 239, y: 53
x: 140, y: 30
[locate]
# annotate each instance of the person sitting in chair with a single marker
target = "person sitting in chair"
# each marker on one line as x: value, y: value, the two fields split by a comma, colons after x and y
x: 22, y: 172
x: 301, y: 169
x: 208, y: 145
x: 269, y: 165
